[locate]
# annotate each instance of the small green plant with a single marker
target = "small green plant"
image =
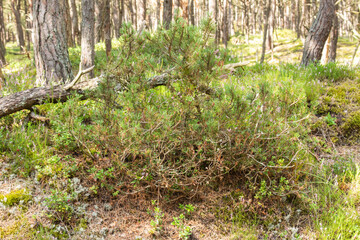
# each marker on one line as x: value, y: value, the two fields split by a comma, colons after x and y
x: 330, y: 120
x: 157, y: 223
x: 102, y: 175
x: 188, y: 208
x: 59, y: 206
x: 184, y: 231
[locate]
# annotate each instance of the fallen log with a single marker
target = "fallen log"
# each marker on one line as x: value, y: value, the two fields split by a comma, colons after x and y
x: 40, y: 95
x: 60, y: 93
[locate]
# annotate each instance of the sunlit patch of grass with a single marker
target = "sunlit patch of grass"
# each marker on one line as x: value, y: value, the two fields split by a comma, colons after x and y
x: 287, y: 48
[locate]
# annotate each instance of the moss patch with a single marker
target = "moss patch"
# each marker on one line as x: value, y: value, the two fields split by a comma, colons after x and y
x: 342, y: 101
x: 15, y: 197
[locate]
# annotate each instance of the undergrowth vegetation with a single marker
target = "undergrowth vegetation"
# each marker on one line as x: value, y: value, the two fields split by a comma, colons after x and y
x: 170, y: 120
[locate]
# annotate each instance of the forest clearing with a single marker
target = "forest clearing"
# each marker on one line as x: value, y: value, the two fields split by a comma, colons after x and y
x: 204, y: 125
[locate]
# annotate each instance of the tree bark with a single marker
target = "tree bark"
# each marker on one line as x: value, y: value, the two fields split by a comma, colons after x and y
x: 225, y: 23
x: 167, y: 14
x: 266, y: 25
x: 75, y: 23
x: 68, y: 24
x: 2, y: 55
x: 40, y: 95
x: 319, y: 32
x: 2, y: 32
x: 28, y: 24
x: 15, y: 7
x: 107, y: 29
x: 50, y: 46
x: 116, y: 17
x: 334, y: 39
x: 88, y: 35
x: 99, y: 19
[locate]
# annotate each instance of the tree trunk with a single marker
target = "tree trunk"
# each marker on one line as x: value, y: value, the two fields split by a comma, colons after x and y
x: 225, y: 23
x: 2, y: 55
x: 143, y: 8
x: 167, y: 14
x: 192, y: 12
x: 107, y: 29
x: 28, y: 25
x: 122, y: 13
x: 131, y: 12
x: 2, y: 32
x: 266, y: 25
x: 15, y: 7
x: 116, y: 17
x: 319, y: 32
x: 87, y: 35
x: 135, y: 14
x: 75, y: 23
x: 334, y: 39
x: 50, y: 46
x: 158, y: 17
x: 68, y: 25
x: 99, y: 20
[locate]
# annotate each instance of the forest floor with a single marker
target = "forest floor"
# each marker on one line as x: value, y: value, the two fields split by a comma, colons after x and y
x: 135, y: 217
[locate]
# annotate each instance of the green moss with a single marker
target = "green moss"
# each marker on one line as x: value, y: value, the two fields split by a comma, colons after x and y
x: 15, y: 197
x: 351, y: 126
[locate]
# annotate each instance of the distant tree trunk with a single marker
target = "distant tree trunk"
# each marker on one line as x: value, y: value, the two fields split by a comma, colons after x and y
x: 2, y: 36
x: 122, y: 13
x: 270, y: 43
x: 167, y: 14
x: 15, y: 7
x: 2, y: 32
x: 87, y: 35
x: 2, y: 55
x: 136, y: 14
x: 99, y: 20
x: 225, y: 23
x: 298, y: 19
x: 28, y: 25
x: 319, y: 32
x: 266, y: 25
x: 68, y: 24
x: 116, y: 17
x: 334, y: 38
x: 75, y: 23
x: 107, y: 29
x: 131, y: 12
x: 158, y: 17
x: 50, y: 46
x: 2, y: 27
x: 144, y: 8
x: 192, y: 12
